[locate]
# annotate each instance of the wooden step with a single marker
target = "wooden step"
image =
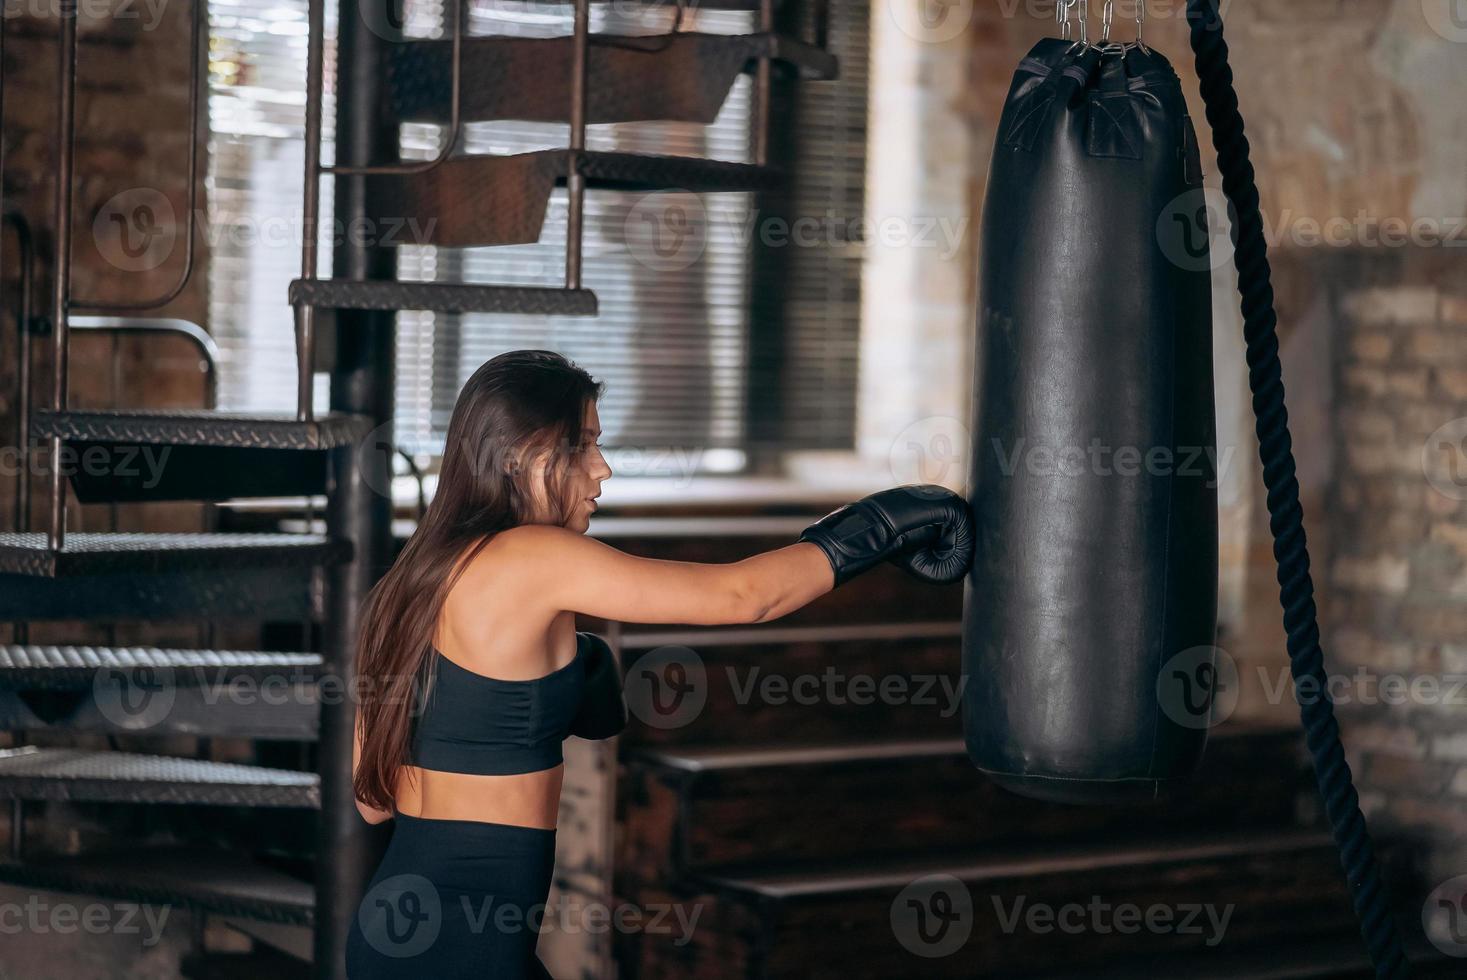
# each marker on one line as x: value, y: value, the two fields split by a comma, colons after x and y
x: 440, y: 297
x: 244, y: 966
x: 1336, y: 957
x: 81, y: 775
x: 170, y: 454
x: 688, y: 810
x: 501, y: 200
x: 812, y: 684
x: 859, y: 919
x: 150, y: 691
x: 217, y: 882
x: 682, y: 77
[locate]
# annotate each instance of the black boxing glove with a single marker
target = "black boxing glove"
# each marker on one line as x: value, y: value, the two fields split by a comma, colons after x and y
x: 603, y: 709
x: 924, y: 528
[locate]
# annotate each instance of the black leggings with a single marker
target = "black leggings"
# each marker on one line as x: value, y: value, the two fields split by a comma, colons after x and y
x: 454, y: 899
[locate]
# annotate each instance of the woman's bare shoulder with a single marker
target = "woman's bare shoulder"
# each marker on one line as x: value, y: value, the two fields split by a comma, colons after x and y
x: 494, y: 618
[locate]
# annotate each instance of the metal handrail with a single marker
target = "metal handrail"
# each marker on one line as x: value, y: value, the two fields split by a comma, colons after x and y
x: 575, y: 181
x: 207, y: 347
x: 455, y: 122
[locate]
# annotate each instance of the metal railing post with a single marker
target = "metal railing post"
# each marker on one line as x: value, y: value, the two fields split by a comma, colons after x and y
x: 61, y: 264
x: 763, y: 83
x: 305, y: 314
x: 575, y: 182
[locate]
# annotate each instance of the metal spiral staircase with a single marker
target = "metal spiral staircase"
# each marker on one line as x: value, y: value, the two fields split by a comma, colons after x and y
x: 293, y: 890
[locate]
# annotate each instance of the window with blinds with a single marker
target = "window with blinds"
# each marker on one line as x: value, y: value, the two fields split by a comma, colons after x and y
x: 673, y: 345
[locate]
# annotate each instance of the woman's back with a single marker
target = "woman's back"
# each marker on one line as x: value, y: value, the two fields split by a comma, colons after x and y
x: 506, y: 683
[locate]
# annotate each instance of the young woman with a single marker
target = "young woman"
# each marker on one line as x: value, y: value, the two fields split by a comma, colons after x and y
x: 473, y: 672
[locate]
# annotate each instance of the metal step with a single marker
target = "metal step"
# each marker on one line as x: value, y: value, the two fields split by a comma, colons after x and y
x: 75, y: 668
x: 193, y: 454
x: 222, y: 883
x: 684, y: 77
x: 501, y: 200
x: 86, y: 776
x: 91, y: 553
x: 199, y: 427
x: 441, y: 297
x: 266, y: 593
x: 150, y: 691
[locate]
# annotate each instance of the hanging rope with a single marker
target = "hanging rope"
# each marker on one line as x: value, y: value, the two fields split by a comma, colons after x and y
x: 1286, y: 517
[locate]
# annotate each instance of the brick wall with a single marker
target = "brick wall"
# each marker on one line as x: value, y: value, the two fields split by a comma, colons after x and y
x: 131, y: 150
x: 1398, y: 582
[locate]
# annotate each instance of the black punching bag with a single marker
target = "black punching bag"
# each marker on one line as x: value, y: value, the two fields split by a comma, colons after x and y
x: 1090, y: 611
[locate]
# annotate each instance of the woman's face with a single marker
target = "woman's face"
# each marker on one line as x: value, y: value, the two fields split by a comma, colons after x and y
x: 588, y: 469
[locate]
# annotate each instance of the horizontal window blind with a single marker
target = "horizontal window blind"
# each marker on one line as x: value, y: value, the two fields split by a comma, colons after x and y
x: 672, y: 344
x: 668, y: 342
x: 807, y: 297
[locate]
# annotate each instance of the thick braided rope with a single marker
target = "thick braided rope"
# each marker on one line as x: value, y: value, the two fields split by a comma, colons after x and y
x: 1286, y: 517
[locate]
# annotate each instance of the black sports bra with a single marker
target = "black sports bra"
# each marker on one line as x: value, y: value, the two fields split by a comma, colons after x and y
x: 486, y: 726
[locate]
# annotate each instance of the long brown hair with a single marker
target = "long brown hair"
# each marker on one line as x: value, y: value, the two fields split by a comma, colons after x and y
x: 517, y: 407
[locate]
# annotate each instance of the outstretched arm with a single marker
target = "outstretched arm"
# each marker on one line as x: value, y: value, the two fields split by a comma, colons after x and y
x: 569, y: 571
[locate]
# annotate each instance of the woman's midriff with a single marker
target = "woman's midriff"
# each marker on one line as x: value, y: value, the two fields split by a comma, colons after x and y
x: 530, y: 799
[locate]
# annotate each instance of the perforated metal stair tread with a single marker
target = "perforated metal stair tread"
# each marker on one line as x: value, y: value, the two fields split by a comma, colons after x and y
x: 683, y: 77
x: 442, y: 297
x: 91, y: 553
x: 224, y: 883
x: 196, y: 427
x: 63, y: 668
x: 818, y: 880
x: 83, y: 775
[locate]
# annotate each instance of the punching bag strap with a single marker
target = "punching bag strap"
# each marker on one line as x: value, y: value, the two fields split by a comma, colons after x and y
x: 1275, y: 450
